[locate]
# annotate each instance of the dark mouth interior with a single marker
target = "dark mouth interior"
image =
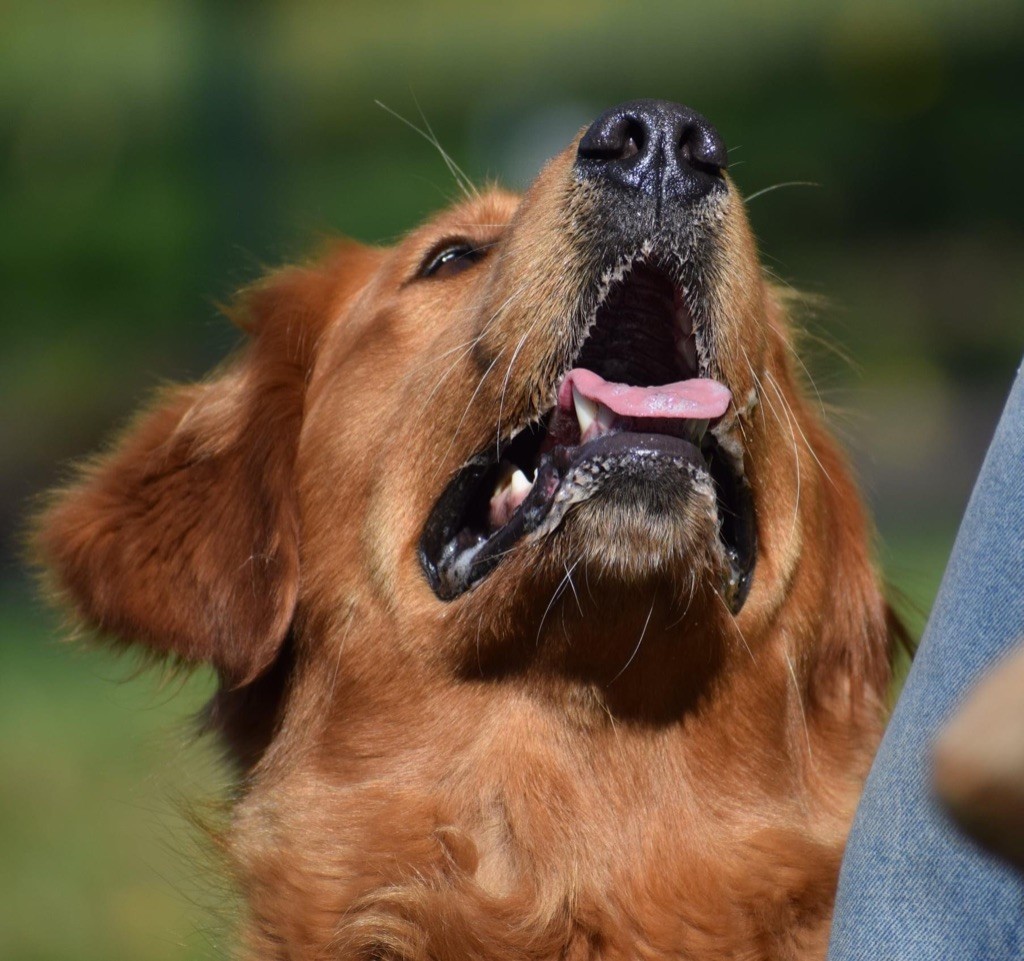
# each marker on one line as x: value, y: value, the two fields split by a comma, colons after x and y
x: 638, y: 330
x: 642, y: 335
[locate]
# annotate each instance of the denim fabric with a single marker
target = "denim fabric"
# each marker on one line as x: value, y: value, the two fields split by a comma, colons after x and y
x: 911, y: 887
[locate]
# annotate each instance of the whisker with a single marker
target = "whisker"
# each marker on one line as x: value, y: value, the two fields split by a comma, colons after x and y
x: 778, y: 277
x: 689, y: 601
x: 807, y: 443
x: 796, y: 458
x: 465, y: 413
x: 479, y: 662
x: 568, y: 573
x: 800, y: 705
x: 833, y: 348
x: 445, y: 376
x: 558, y: 591
x: 448, y: 159
x: 792, y: 434
x: 638, y: 643
x: 611, y: 718
x: 787, y: 183
x: 470, y: 344
x: 796, y: 355
x: 504, y: 385
x: 518, y: 292
x: 732, y: 617
x: 461, y: 179
x: 346, y: 629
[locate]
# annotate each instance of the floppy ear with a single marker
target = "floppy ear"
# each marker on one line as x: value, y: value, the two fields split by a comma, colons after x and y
x: 185, y: 536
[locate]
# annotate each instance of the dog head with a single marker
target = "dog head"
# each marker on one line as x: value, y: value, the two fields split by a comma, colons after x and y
x: 590, y: 383
x: 550, y: 444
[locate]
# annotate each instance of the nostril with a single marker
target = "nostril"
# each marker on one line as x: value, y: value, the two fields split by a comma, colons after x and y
x: 701, y: 148
x: 623, y: 139
x: 635, y: 140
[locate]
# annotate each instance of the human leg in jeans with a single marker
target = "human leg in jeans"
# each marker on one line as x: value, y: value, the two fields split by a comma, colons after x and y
x: 911, y: 886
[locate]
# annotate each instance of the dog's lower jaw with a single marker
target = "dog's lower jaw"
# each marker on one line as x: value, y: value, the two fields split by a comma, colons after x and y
x: 647, y: 538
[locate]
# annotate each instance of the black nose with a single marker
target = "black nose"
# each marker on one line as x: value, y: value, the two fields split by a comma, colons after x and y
x: 655, y: 147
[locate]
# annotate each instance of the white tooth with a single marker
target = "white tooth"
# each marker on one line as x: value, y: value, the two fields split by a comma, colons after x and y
x: 505, y: 478
x: 586, y: 410
x: 697, y: 429
x: 605, y: 417
x: 519, y: 485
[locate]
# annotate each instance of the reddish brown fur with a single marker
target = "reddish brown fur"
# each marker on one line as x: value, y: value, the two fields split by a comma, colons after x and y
x: 482, y: 778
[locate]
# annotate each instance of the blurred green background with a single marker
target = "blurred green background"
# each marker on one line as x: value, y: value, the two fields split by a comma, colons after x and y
x: 156, y: 155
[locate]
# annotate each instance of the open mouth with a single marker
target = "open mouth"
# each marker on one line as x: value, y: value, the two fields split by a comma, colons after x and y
x: 632, y: 412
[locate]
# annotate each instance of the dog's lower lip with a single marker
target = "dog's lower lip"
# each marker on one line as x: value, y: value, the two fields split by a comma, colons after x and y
x: 565, y: 475
x: 554, y: 483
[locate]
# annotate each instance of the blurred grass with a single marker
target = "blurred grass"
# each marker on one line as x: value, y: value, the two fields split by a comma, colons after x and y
x: 913, y: 562
x: 154, y: 156
x: 97, y: 772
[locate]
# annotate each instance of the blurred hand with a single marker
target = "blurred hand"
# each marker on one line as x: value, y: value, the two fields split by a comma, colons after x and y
x: 978, y: 761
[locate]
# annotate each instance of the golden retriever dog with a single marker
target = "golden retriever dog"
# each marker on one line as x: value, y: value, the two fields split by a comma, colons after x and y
x: 540, y: 596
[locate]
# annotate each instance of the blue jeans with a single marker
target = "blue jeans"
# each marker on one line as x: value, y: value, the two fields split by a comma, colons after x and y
x: 911, y: 887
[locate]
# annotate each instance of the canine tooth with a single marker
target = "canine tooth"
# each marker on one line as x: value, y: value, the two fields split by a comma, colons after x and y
x: 586, y: 410
x: 698, y: 428
x: 509, y: 492
x: 520, y: 485
x: 506, y: 474
x: 605, y: 417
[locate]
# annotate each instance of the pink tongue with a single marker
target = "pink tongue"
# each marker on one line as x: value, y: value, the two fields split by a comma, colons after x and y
x: 697, y: 399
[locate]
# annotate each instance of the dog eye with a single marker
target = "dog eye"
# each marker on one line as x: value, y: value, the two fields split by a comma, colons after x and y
x: 451, y: 259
